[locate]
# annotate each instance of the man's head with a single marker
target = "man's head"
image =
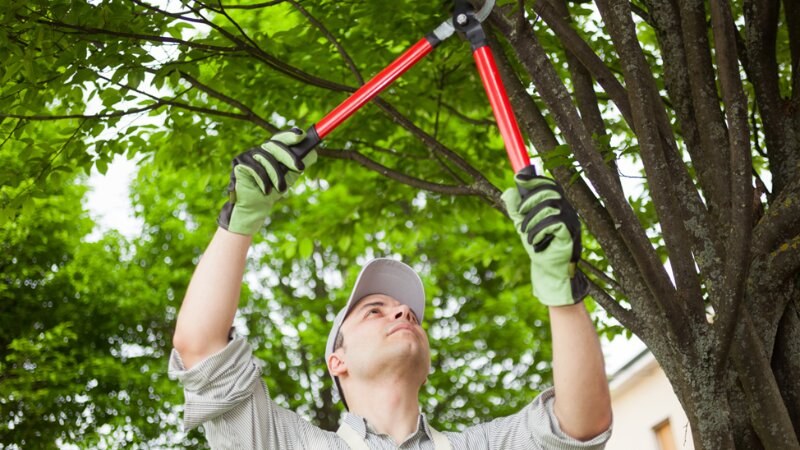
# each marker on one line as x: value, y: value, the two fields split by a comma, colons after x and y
x: 378, y: 333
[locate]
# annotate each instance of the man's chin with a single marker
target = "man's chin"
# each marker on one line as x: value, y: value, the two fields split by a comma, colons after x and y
x: 411, y: 353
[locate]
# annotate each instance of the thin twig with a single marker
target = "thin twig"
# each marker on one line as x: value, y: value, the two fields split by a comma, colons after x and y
x: 20, y: 124
x: 44, y: 117
x: 255, y: 6
x: 360, y: 158
x: 258, y: 120
x: 625, y: 316
x: 586, y: 265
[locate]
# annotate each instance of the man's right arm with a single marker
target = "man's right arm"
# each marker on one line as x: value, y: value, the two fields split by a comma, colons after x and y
x: 258, y: 178
x: 207, y: 312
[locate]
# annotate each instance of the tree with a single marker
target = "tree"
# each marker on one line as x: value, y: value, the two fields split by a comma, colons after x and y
x: 700, y: 258
x: 83, y: 330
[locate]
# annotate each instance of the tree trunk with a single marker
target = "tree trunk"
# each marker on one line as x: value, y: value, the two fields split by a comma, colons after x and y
x: 786, y: 359
x: 751, y: 407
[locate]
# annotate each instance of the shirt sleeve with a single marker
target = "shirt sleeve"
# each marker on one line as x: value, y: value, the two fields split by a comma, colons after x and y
x: 534, y: 427
x: 226, y: 394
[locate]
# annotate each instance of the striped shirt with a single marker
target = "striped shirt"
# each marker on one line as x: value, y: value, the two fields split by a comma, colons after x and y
x: 225, y: 393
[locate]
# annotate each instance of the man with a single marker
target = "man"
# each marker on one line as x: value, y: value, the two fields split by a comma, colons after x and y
x: 377, y: 352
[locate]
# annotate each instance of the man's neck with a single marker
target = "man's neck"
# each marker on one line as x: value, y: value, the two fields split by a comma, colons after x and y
x: 391, y: 408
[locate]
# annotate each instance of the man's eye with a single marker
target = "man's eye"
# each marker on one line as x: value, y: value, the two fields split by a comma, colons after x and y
x: 374, y: 310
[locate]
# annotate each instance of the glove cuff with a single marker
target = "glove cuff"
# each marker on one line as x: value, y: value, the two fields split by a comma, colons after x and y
x: 566, y: 291
x: 580, y: 286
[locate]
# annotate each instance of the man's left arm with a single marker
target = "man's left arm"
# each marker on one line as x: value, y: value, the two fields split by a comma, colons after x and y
x: 582, y: 401
x: 551, y: 234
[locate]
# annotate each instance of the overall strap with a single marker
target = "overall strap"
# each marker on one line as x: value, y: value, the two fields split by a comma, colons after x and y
x: 440, y: 441
x: 356, y: 442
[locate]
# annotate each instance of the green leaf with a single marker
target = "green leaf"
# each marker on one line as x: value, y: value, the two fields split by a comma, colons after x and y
x: 102, y: 166
x: 306, y: 248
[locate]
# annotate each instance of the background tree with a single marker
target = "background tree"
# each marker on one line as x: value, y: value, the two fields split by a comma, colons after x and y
x: 672, y: 125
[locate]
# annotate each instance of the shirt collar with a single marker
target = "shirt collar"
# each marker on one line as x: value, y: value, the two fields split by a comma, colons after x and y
x: 362, y: 427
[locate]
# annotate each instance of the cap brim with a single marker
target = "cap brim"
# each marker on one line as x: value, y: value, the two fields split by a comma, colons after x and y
x: 392, y: 278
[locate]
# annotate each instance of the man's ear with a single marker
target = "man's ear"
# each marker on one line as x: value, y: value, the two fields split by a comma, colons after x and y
x: 336, y: 365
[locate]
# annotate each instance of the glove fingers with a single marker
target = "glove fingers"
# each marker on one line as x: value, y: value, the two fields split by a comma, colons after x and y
x: 258, y: 177
x: 539, y: 194
x: 289, y: 137
x: 275, y: 170
x: 539, y: 212
x: 278, y: 146
x: 252, y: 174
x: 533, y: 182
x: 561, y: 226
x: 284, y: 155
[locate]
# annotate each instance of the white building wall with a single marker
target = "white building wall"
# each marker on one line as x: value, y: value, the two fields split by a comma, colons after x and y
x: 641, y: 399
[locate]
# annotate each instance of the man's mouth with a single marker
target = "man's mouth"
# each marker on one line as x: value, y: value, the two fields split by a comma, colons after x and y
x: 401, y: 327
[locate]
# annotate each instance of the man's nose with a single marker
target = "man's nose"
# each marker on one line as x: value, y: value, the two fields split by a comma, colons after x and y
x: 404, y: 312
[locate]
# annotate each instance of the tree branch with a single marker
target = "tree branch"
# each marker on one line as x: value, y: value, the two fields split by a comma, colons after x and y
x: 235, y: 24
x: 741, y: 187
x: 386, y: 150
x: 579, y: 194
x: 20, y: 124
x: 173, y: 103
x: 644, y: 15
x: 255, y: 118
x: 701, y: 224
x: 644, y: 95
x: 254, y: 6
x: 48, y: 117
x: 142, y: 37
x: 553, y: 92
x: 585, y: 96
x: 706, y: 105
x: 779, y: 221
x: 241, y: 46
x: 489, y: 191
x: 612, y: 283
x: 578, y: 47
x: 784, y: 262
x: 761, y: 26
x: 791, y: 10
x: 253, y: 49
x: 666, y: 19
x: 353, y: 155
x: 182, y: 16
x: 757, y: 378
x: 477, y: 122
x: 625, y: 316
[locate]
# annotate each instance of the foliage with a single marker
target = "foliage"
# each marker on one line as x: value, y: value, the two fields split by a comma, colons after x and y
x: 83, y: 332
x: 638, y: 109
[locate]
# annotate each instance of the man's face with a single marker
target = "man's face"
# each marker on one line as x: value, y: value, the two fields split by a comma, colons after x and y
x: 383, y: 335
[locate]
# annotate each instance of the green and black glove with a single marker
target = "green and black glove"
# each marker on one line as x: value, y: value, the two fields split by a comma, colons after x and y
x: 551, y: 233
x: 259, y: 177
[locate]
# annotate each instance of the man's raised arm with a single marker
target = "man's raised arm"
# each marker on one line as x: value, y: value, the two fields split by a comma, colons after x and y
x: 206, y: 314
x: 582, y: 401
x: 551, y: 234
x: 258, y: 178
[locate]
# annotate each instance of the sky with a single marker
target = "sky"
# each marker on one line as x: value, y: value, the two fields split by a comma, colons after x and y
x: 109, y: 205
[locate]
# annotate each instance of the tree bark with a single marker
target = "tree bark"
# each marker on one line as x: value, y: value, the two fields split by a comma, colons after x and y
x: 786, y: 356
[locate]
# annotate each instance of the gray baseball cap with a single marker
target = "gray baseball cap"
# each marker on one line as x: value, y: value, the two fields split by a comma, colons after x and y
x: 380, y: 276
